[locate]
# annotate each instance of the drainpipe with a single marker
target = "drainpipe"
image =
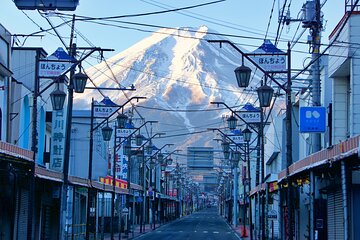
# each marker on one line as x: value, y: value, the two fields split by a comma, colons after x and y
x: 312, y: 206
x: 235, y: 215
x: 345, y: 200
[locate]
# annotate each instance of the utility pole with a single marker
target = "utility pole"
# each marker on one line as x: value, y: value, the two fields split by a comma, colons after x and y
x: 34, y: 149
x: 64, y: 192
x: 315, y: 30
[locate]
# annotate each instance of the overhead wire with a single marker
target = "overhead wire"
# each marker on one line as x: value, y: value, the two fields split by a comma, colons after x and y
x: 269, y: 22
x: 347, y: 17
x: 151, y: 13
x: 219, y: 22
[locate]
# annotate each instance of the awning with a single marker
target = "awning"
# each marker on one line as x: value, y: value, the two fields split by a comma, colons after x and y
x: 12, y: 152
x: 48, y: 174
x: 330, y: 155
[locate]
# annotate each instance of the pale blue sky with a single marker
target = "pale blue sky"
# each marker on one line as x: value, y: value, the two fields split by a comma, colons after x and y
x: 236, y: 17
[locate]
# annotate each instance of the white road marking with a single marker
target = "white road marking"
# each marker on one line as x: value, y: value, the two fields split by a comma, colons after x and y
x: 205, y: 231
x: 216, y: 232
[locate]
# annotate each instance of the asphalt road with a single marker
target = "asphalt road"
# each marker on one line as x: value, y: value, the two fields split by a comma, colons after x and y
x: 203, y: 225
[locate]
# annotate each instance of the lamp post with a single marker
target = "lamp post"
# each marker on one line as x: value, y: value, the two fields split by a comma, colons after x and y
x: 264, y: 96
x: 139, y: 138
x: 160, y: 161
x: 106, y: 135
x: 260, y: 137
x: 127, y: 152
x: 76, y: 83
x: 247, y: 138
x: 234, y: 164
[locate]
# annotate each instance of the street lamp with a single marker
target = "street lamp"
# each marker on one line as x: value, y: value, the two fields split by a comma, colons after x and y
x: 169, y: 161
x: 243, y: 74
x: 160, y: 157
x: 247, y: 138
x: 236, y: 157
x: 79, y: 82
x: 140, y: 157
x: 127, y: 148
x: 121, y: 120
x: 163, y: 167
x: 265, y: 94
x: 139, y: 139
x: 265, y: 101
x: 247, y: 134
x: 149, y: 148
x: 57, y: 99
x: 152, y: 164
x: 232, y: 122
x: 226, y: 149
x: 106, y: 132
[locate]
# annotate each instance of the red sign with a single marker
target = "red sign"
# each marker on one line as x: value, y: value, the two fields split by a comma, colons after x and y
x: 109, y: 180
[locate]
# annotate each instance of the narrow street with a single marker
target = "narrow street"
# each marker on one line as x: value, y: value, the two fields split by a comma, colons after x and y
x: 206, y: 224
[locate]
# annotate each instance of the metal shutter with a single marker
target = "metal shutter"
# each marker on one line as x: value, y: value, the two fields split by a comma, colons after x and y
x: 22, y: 214
x: 335, y: 215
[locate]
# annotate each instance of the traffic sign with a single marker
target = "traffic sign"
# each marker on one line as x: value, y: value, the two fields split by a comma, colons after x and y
x: 272, y: 214
x: 312, y: 119
x: 125, y: 211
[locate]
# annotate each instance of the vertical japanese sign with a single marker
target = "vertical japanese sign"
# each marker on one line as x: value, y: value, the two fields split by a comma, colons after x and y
x: 58, y: 140
x: 121, y: 165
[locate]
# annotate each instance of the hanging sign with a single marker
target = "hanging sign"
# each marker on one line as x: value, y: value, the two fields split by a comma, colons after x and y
x: 270, y: 58
x: 124, y: 132
x: 56, y: 64
x: 250, y: 114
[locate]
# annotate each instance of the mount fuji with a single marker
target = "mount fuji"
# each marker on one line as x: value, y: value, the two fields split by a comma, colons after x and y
x: 179, y: 73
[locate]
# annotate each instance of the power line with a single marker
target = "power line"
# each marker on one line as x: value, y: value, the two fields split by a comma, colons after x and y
x: 269, y: 22
x: 149, y: 13
x: 206, y: 19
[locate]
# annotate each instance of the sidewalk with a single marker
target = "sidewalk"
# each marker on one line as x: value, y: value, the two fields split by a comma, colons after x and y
x: 136, y: 232
x: 240, y: 231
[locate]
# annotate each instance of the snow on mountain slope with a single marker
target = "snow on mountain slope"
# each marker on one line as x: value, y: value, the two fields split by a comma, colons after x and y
x: 176, y: 69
